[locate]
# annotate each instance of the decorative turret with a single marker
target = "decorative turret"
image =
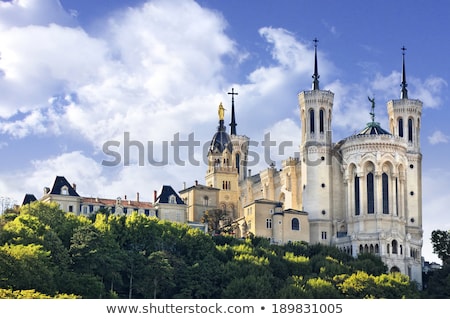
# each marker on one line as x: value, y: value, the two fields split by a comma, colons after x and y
x: 221, y: 140
x: 405, y: 114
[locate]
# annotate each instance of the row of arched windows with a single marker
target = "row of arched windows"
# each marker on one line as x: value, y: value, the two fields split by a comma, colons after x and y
x: 368, y: 195
x: 226, y: 185
x: 410, y: 129
x: 312, y: 127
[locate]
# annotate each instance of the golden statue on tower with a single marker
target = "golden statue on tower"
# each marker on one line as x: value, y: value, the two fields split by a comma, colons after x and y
x: 221, y: 112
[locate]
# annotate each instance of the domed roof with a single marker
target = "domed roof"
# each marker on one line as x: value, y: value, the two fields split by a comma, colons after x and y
x: 221, y: 140
x: 373, y: 128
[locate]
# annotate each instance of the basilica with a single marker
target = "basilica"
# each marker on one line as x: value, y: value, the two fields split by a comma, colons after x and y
x: 362, y: 194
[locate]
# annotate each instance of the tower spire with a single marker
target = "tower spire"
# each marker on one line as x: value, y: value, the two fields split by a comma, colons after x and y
x: 315, y: 84
x: 404, y: 94
x: 233, y: 118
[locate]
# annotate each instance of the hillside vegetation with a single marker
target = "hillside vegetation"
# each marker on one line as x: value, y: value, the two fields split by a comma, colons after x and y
x: 47, y: 253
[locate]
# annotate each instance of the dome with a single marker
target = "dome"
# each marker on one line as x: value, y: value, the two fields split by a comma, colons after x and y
x: 373, y: 128
x: 221, y: 140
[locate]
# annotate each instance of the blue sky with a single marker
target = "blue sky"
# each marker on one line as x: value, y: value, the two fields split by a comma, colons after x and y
x: 76, y: 74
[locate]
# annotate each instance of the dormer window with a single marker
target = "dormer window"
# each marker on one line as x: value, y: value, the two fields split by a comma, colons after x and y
x: 64, y: 190
x: 172, y: 199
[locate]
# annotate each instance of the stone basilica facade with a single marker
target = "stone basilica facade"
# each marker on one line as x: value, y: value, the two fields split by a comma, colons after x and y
x: 361, y: 194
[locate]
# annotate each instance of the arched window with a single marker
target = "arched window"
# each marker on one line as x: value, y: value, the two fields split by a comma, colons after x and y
x: 394, y: 247
x: 238, y: 162
x: 172, y: 199
x: 410, y: 130
x: 370, y: 194
x: 400, y: 127
x: 311, y: 121
x: 385, y: 186
x: 357, y: 203
x: 295, y: 224
x: 361, y: 249
x: 64, y: 190
x: 377, y: 249
x: 321, y: 125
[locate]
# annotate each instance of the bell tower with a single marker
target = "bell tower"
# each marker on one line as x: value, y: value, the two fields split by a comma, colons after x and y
x: 405, y: 118
x: 315, y: 113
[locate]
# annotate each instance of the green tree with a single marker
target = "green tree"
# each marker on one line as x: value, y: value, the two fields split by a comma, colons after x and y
x: 440, y: 240
x: 249, y: 287
x: 31, y: 268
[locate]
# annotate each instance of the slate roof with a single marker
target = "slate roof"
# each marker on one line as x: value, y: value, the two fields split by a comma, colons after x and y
x: 61, y: 181
x: 29, y: 198
x: 373, y: 128
x: 165, y: 193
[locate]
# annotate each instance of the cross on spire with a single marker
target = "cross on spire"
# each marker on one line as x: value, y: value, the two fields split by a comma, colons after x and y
x: 233, y: 118
x: 315, y: 76
x: 404, y: 93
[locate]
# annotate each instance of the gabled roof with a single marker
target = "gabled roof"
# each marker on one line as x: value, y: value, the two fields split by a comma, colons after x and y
x: 29, y: 198
x: 60, y: 182
x: 165, y: 193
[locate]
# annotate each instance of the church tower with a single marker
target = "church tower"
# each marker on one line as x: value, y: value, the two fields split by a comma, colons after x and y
x: 404, y: 120
x: 222, y: 172
x: 315, y: 113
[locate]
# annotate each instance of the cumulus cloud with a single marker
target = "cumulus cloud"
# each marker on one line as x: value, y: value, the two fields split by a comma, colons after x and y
x: 438, y: 137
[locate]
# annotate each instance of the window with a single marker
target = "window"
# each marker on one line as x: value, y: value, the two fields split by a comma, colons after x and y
x: 64, y: 190
x: 70, y: 209
x: 370, y: 194
x: 321, y: 126
x: 410, y: 130
x: 400, y: 127
x: 396, y: 196
x: 269, y: 223
x: 324, y: 235
x: 295, y: 224
x: 205, y: 200
x: 357, y: 202
x: 238, y: 162
x: 311, y: 121
x: 394, y: 247
x: 385, y: 186
x: 172, y: 199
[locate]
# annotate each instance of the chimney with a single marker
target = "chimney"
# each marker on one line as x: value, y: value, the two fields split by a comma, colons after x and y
x: 196, y: 182
x: 184, y: 185
x: 249, y: 173
x: 155, y: 196
x: 125, y: 197
x: 74, y: 186
x: 137, y: 196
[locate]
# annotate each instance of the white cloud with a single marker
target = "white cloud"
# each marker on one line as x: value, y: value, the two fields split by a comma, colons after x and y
x: 20, y: 13
x: 428, y: 91
x: 438, y: 137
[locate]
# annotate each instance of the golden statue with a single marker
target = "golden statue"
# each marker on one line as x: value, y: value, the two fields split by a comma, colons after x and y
x: 221, y: 112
